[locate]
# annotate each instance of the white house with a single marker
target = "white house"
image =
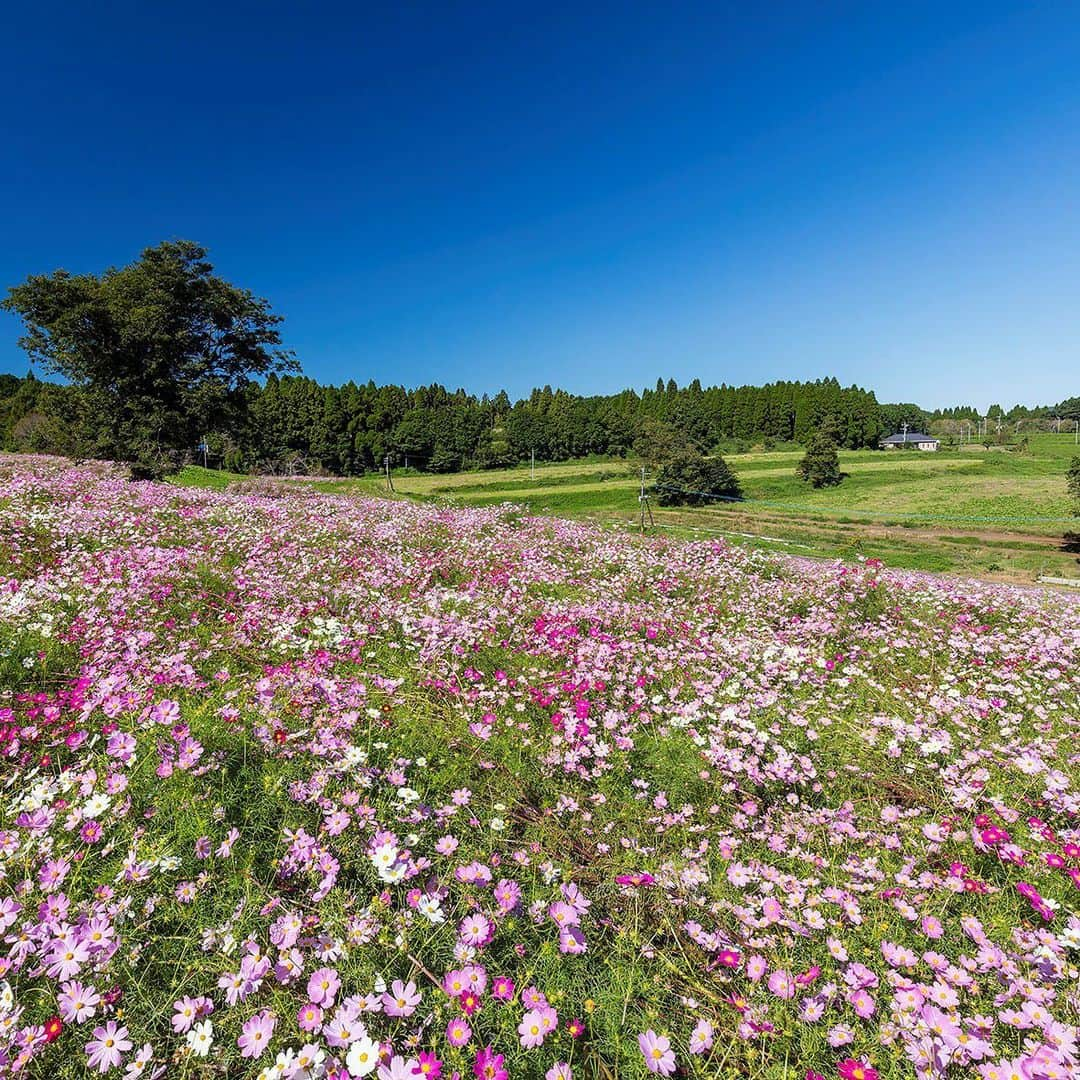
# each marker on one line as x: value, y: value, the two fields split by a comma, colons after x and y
x: 910, y: 438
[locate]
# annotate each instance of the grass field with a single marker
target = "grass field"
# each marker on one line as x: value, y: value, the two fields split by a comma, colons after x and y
x: 992, y: 513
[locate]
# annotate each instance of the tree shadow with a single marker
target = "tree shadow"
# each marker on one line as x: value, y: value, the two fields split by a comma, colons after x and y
x: 1070, y: 543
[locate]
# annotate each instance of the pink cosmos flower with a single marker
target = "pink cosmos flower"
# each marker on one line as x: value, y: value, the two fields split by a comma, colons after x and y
x: 782, y: 984
x: 402, y: 999
x: 427, y: 1066
x: 104, y: 1050
x: 91, y: 831
x: 531, y: 1029
x: 187, y: 1012
x: 469, y: 1002
x: 458, y: 1032
x: 77, y: 1002
x: 475, y: 930
x: 932, y: 927
x: 563, y: 914
x: 572, y: 941
x: 701, y: 1038
x: 656, y: 1049
x: 863, y: 1004
x: 397, y: 1068
x: 255, y: 1034
x: 66, y: 959
x: 310, y: 1016
x: 507, y: 895
x: 323, y: 986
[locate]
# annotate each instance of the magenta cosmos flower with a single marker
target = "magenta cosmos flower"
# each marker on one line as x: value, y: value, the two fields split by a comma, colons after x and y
x: 635, y: 880
x: 427, y: 1066
x: 853, y: 1069
x: 489, y: 1065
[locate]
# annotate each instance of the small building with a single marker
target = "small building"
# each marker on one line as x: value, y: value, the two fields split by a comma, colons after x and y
x: 915, y: 439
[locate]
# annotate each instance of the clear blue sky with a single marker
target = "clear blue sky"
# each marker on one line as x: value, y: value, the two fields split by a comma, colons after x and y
x: 507, y: 195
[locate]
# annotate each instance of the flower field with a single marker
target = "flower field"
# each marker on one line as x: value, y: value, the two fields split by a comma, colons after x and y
x: 301, y: 785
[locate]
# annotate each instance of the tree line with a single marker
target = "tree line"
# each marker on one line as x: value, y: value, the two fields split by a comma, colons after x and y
x: 350, y: 429
x: 164, y: 361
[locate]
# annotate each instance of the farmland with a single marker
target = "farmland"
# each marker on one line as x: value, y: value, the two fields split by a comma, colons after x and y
x: 299, y: 783
x: 992, y: 513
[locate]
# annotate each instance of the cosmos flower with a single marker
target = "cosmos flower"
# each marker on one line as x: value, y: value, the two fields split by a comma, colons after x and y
x: 656, y: 1049
x: 363, y: 1057
x: 105, y: 1050
x: 255, y: 1034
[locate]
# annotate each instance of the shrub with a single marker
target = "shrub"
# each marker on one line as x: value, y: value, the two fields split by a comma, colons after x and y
x: 820, y: 467
x: 688, y: 478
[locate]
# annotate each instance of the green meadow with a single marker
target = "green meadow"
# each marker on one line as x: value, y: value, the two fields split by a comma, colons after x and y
x: 999, y: 513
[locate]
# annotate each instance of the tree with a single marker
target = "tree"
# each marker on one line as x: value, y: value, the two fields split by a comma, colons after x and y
x: 1072, y: 482
x: 162, y: 349
x: 820, y: 467
x: 688, y: 478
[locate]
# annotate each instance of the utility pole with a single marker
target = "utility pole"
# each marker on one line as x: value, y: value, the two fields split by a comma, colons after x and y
x: 532, y: 465
x: 389, y: 479
x: 903, y: 430
x: 643, y: 502
x: 1076, y: 434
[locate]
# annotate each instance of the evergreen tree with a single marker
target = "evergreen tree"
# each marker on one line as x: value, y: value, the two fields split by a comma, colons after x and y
x: 820, y: 467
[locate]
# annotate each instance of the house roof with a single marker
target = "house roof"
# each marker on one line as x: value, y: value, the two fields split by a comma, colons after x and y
x: 911, y: 436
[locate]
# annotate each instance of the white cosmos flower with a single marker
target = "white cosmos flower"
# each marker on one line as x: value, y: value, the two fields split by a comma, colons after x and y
x: 384, y: 855
x: 200, y: 1038
x: 362, y: 1058
x: 429, y: 907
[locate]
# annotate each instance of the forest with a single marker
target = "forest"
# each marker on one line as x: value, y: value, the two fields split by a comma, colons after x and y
x: 293, y: 422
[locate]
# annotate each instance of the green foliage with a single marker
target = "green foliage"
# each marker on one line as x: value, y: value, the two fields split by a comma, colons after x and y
x: 688, y: 478
x: 348, y: 430
x: 161, y: 350
x: 820, y: 467
x: 1072, y: 482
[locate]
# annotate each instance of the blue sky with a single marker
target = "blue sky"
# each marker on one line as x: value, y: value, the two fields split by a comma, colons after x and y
x: 589, y: 195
